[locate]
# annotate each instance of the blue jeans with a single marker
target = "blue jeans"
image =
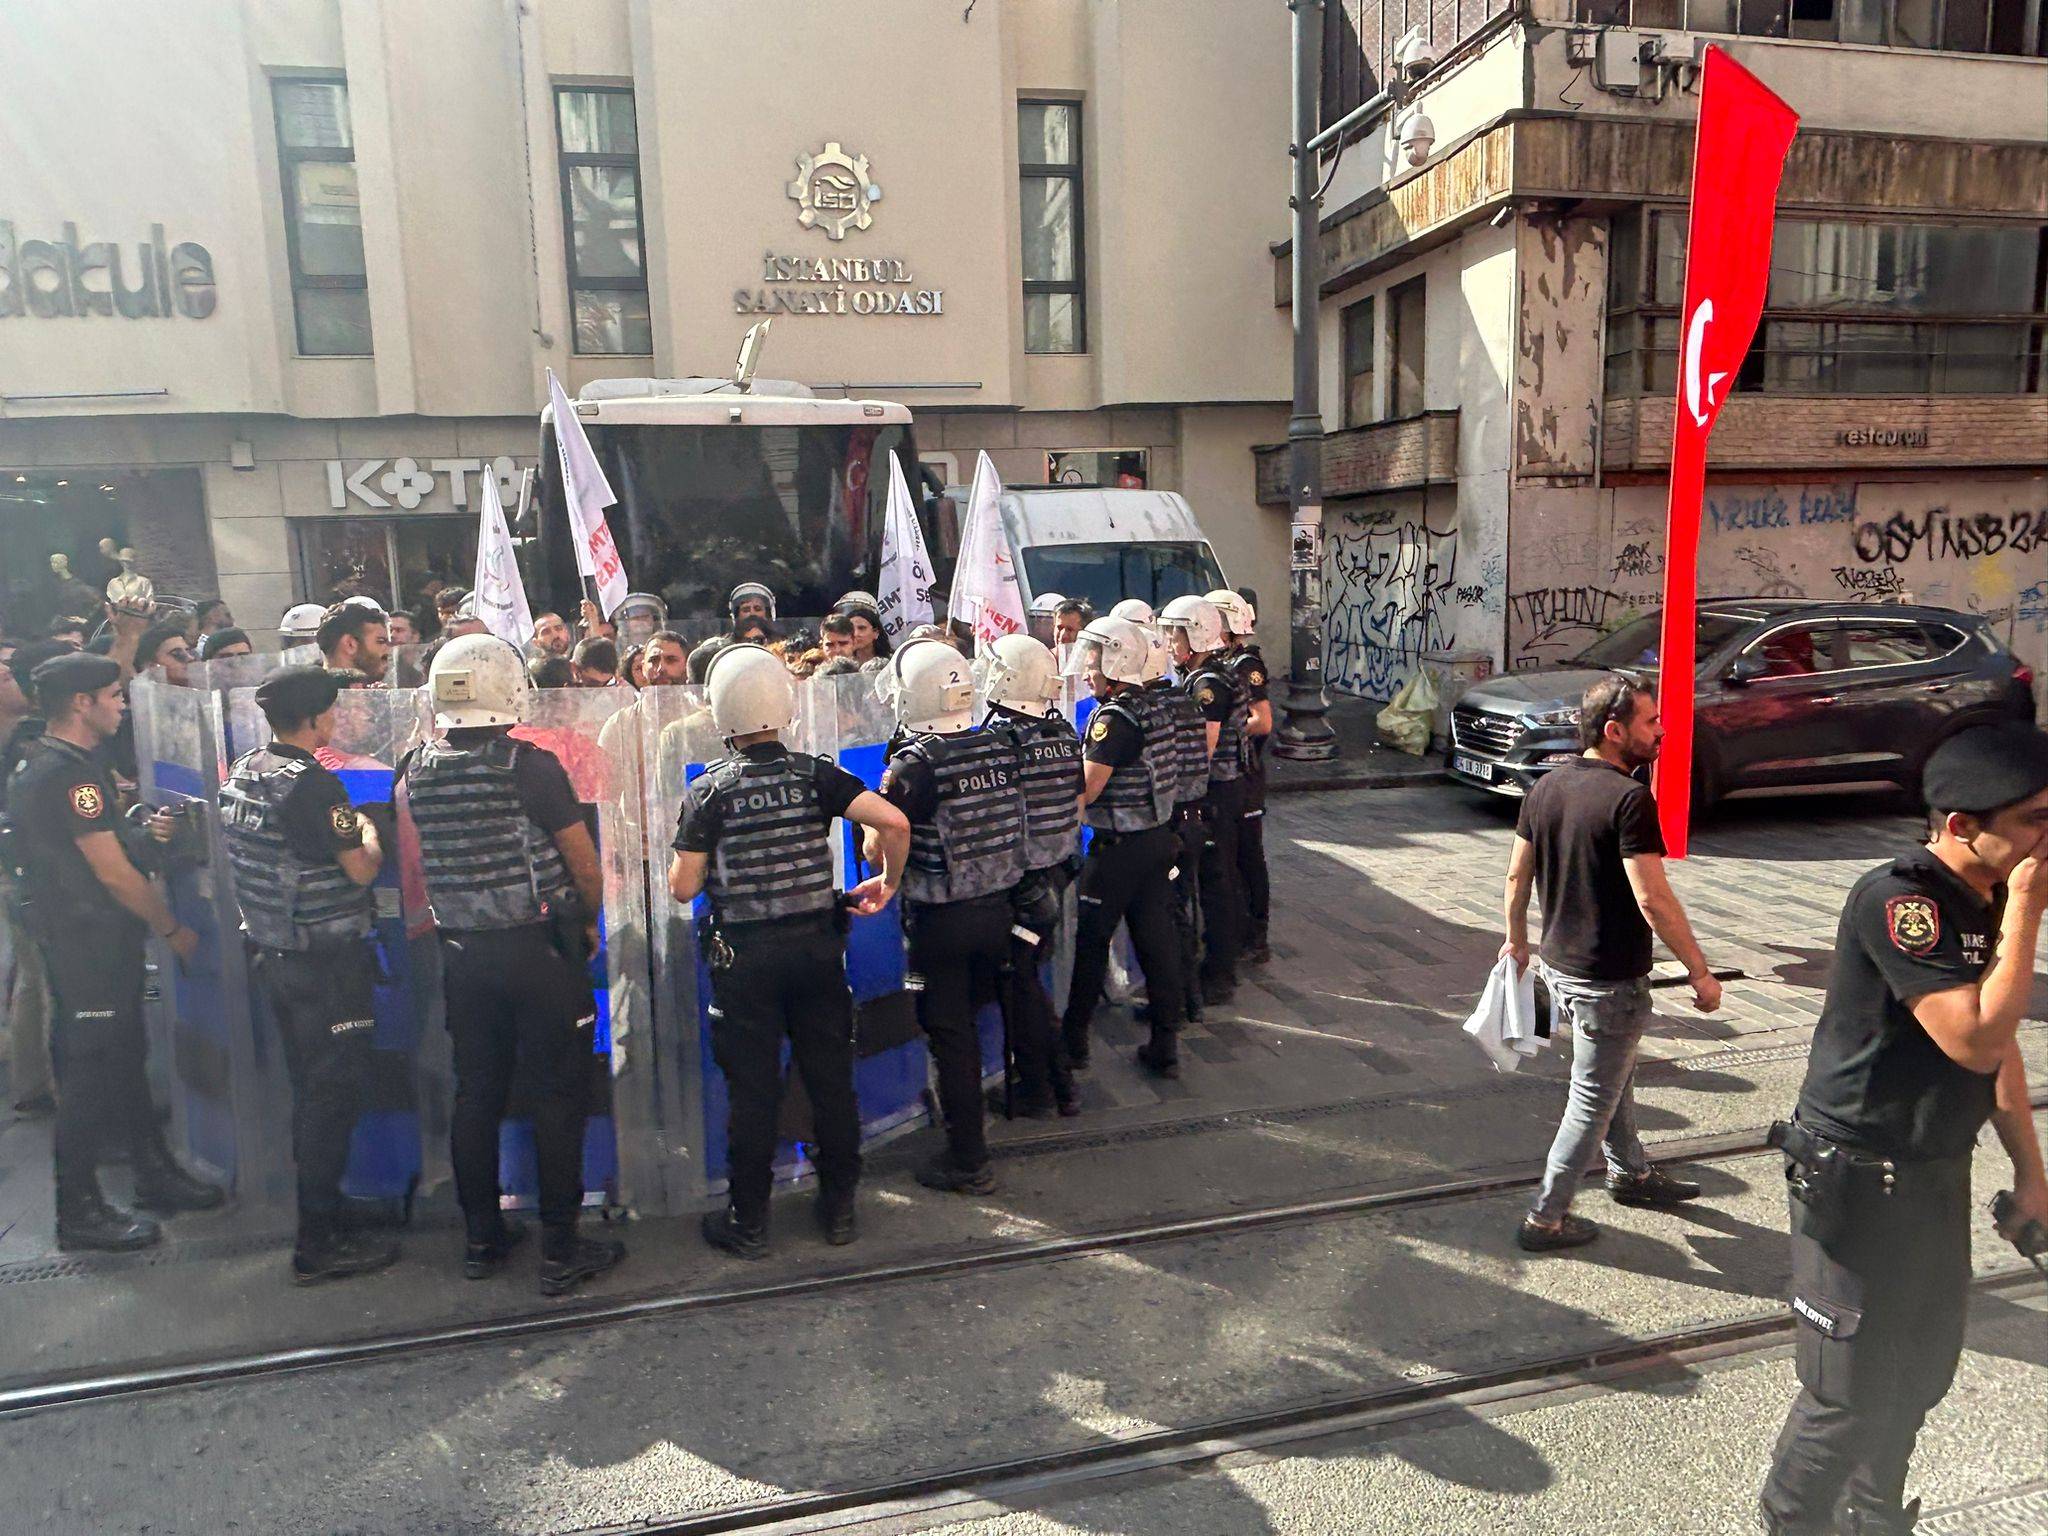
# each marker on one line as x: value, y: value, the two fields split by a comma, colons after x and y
x: 1607, y: 1020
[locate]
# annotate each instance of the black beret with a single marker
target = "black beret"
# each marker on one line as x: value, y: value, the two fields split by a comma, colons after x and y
x: 74, y: 672
x: 297, y: 693
x: 32, y: 654
x: 1987, y: 768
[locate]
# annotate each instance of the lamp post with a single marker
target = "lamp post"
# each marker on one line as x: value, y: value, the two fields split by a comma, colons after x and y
x: 1304, y: 734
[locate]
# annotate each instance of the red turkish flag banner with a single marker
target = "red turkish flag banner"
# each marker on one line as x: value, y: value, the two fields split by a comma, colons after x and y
x: 1738, y: 157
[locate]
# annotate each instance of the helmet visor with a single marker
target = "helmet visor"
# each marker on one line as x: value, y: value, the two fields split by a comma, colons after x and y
x: 1083, y: 657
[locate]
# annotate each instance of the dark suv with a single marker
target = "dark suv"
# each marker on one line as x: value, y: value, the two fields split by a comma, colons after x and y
x: 1791, y: 695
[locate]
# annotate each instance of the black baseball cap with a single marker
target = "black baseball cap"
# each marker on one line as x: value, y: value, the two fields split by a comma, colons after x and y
x: 292, y: 694
x: 1987, y: 768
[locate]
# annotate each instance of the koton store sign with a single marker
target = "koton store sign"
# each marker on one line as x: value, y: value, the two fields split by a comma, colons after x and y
x: 405, y: 483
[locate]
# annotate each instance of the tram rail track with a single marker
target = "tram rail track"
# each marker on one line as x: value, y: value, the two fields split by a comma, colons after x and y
x: 922, y: 1498
x: 83, y: 1390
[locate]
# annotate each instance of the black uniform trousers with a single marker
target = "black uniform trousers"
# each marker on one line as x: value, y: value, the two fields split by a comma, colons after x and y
x: 98, y: 1049
x: 960, y: 951
x: 1223, y: 910
x: 787, y: 981
x: 1125, y: 880
x: 1042, y: 1075
x: 516, y: 1004
x: 1252, y: 881
x: 322, y: 1001
x: 1191, y: 822
x: 1879, y: 1316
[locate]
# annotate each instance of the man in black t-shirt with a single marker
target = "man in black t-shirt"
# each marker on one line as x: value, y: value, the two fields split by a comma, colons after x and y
x: 1588, y: 843
x: 1916, y: 1049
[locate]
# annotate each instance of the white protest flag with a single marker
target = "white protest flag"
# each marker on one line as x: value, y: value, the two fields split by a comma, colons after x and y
x: 905, y: 589
x: 587, y: 493
x: 985, y: 590
x: 499, y: 594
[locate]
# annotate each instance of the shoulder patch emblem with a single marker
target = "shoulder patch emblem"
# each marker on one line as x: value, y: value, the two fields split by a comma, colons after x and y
x: 1098, y: 728
x: 346, y: 822
x: 1258, y: 676
x: 87, y: 801
x: 1205, y: 695
x: 1914, y: 923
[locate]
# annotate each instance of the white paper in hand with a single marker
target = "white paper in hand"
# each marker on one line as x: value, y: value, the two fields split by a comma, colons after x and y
x: 1504, y: 1023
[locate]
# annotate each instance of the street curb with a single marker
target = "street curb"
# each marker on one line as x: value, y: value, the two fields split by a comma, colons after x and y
x: 1357, y: 781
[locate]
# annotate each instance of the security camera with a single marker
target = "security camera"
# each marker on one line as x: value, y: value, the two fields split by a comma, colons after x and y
x: 1418, y: 137
x: 1412, y: 54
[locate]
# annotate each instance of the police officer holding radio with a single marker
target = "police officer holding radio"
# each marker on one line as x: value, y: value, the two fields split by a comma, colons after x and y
x: 90, y: 909
x: 1247, y: 668
x: 304, y: 858
x: 754, y: 837
x: 961, y: 789
x: 1128, y: 789
x: 1021, y: 682
x: 513, y: 882
x: 1916, y: 1048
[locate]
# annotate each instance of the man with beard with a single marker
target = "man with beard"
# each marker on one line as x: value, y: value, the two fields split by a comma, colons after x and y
x: 752, y: 607
x: 1589, y: 842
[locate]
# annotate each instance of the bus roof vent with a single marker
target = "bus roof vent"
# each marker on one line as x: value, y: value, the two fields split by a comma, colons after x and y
x: 640, y: 389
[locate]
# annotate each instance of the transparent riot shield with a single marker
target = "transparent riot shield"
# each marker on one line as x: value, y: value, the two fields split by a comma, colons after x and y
x: 205, y: 1058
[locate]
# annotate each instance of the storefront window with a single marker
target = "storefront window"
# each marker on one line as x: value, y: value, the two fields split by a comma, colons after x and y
x: 323, y: 217
x: 397, y: 561
x: 607, y: 254
x: 45, y: 512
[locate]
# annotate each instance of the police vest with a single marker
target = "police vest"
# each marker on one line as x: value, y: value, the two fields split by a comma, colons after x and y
x: 773, y: 857
x: 287, y: 903
x: 974, y: 843
x: 1049, y: 755
x: 487, y: 865
x: 1138, y: 796
x: 1190, y: 742
x: 1227, y: 764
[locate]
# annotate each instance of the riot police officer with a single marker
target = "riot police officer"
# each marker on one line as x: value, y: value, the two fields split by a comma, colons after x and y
x: 753, y: 837
x: 751, y: 607
x: 1021, y: 682
x: 1128, y: 789
x: 1241, y: 658
x: 304, y: 858
x: 90, y: 910
x: 1208, y: 716
x: 513, y: 883
x: 961, y: 789
x: 1155, y: 702
x: 1916, y: 1048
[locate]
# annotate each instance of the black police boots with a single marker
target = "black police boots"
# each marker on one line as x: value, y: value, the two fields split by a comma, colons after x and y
x: 328, y: 1251
x: 836, y: 1217
x: 85, y: 1221
x: 942, y: 1173
x: 1160, y: 1056
x: 726, y: 1230
x: 484, y: 1256
x: 567, y: 1261
x: 162, y: 1186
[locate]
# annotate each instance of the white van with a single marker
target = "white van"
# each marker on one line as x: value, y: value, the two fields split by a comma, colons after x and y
x: 1104, y: 545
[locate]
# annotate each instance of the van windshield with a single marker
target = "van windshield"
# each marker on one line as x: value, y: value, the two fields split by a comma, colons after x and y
x: 1103, y: 575
x: 704, y: 508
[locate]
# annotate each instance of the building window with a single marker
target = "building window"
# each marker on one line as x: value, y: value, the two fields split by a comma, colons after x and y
x: 1124, y: 469
x: 323, y: 217
x: 1852, y: 308
x: 1406, y: 326
x: 1358, y: 361
x: 1953, y: 26
x: 601, y: 220
x: 1049, y: 155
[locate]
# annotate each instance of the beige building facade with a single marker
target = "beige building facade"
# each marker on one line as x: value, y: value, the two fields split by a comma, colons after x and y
x: 1499, y: 327
x: 280, y: 282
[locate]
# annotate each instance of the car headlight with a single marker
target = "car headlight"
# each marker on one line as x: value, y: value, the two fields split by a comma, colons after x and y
x: 1569, y: 715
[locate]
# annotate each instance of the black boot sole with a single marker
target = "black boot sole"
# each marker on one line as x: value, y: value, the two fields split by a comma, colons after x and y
x: 562, y: 1284
x: 75, y: 1243
x: 323, y: 1273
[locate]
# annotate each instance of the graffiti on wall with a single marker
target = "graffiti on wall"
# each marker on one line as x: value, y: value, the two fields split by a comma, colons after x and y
x: 1393, y: 590
x: 1555, y: 623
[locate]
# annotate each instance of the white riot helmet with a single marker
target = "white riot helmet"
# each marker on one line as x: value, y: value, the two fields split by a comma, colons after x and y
x: 1119, y: 647
x: 1047, y: 603
x: 1159, y: 655
x: 639, y: 615
x: 1199, y: 619
x: 1238, y: 616
x: 478, y: 680
x: 928, y: 685
x: 751, y: 690
x: 360, y: 601
x: 1019, y: 673
x: 745, y: 590
x: 301, y: 622
x: 1136, y: 609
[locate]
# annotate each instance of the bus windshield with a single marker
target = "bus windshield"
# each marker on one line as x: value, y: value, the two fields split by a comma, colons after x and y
x: 1103, y: 575
x: 704, y: 508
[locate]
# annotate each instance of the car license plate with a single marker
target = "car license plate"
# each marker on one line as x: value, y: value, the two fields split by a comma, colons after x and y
x: 1473, y: 766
